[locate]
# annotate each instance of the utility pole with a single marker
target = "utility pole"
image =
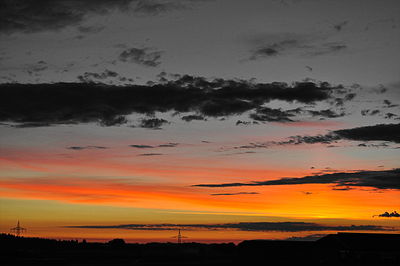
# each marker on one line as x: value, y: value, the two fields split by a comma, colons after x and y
x: 18, y: 230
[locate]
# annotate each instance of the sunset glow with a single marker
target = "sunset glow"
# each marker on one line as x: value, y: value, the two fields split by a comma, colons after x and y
x: 132, y: 122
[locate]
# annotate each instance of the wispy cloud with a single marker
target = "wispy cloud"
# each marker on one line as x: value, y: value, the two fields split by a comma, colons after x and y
x: 142, y: 56
x: 283, y: 44
x: 150, y: 154
x: 78, y: 148
x: 233, y: 194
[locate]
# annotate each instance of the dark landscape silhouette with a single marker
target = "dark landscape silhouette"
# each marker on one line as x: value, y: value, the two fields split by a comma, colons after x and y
x: 333, y: 249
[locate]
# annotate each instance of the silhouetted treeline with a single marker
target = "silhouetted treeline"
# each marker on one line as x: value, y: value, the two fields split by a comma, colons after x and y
x: 337, y: 249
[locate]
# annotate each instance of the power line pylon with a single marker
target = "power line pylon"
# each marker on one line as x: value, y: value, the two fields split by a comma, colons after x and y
x: 18, y: 230
x: 179, y: 236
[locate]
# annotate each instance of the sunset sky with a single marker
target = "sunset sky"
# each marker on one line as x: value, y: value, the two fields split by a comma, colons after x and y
x: 229, y: 119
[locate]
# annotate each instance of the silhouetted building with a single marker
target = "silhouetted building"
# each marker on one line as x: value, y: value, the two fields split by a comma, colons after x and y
x: 378, y: 249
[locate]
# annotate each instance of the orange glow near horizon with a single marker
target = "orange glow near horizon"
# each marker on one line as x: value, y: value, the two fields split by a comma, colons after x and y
x: 117, y: 179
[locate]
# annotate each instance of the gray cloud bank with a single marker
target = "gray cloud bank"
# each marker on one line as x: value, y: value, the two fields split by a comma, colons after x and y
x: 71, y: 103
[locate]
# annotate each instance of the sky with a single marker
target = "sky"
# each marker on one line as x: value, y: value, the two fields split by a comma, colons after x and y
x: 230, y: 120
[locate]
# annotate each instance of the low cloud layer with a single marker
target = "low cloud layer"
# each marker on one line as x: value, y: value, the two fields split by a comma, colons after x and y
x: 245, y: 226
x: 389, y: 179
x: 71, y: 103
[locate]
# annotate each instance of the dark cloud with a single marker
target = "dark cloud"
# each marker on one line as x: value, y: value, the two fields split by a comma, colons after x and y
x: 327, y: 48
x: 389, y: 215
x: 168, y: 145
x: 271, y: 115
x: 90, y: 29
x: 78, y: 148
x: 381, y: 132
x: 245, y: 123
x: 189, y: 118
x: 275, y: 48
x: 232, y: 194
x: 264, y: 52
x: 390, y: 116
x: 389, y: 179
x: 327, y: 113
x: 139, y: 146
x: 153, y: 123
x: 93, y: 77
x: 70, y: 103
x: 340, y: 25
x: 343, y: 188
x: 370, y: 112
x: 150, y: 154
x: 244, y: 226
x: 40, y: 15
x: 32, y: 124
x: 273, y: 45
x: 373, y: 145
x: 389, y: 104
x: 35, y: 69
x: 326, y: 139
x: 141, y: 56
x: 313, y: 237
x: 155, y: 7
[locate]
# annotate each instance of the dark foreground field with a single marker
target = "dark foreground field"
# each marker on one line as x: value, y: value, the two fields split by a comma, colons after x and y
x: 337, y: 249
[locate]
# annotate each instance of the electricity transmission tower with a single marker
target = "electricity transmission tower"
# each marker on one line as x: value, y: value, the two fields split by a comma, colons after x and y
x: 18, y: 230
x: 179, y: 236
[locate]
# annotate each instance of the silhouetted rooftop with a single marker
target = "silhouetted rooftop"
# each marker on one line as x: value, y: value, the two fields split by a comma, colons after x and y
x: 361, y: 241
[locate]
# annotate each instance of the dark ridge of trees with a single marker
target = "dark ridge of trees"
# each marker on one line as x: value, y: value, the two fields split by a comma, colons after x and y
x: 334, y: 249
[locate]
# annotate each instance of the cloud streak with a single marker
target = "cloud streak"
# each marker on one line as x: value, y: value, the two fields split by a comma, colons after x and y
x: 233, y: 194
x: 389, y: 179
x: 380, y: 132
x: 79, y: 148
x: 274, y: 45
x: 244, y: 226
